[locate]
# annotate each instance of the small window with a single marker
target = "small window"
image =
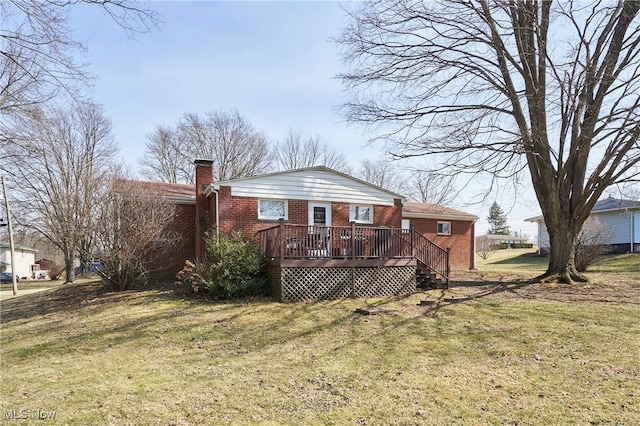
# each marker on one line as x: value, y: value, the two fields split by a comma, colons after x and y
x: 272, y: 209
x: 360, y: 213
x: 444, y: 228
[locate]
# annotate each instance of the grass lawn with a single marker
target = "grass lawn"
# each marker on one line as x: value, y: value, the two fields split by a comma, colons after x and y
x: 30, y: 284
x: 493, y: 349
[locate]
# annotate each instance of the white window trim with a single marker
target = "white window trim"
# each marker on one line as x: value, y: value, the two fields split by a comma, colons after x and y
x: 286, y: 210
x: 352, y: 213
x: 438, y: 226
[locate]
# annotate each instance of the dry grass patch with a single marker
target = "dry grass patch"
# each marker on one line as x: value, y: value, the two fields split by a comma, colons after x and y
x: 487, y: 351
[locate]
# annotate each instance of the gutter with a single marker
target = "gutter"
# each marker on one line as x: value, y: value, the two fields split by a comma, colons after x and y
x: 415, y: 215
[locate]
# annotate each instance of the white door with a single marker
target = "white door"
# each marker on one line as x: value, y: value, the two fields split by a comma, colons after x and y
x: 319, y: 214
x: 319, y: 240
x: 406, y: 225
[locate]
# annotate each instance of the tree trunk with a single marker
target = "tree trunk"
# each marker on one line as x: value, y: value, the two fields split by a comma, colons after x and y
x: 562, y: 267
x: 69, y: 270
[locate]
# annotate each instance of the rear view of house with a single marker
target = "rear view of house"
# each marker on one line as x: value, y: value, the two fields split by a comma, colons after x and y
x: 327, y: 234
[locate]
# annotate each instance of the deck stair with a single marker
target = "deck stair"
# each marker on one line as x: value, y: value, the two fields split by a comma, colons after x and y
x: 432, y: 269
x: 427, y: 279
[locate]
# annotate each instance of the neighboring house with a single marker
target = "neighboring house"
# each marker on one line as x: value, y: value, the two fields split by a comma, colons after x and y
x: 496, y: 241
x: 619, y: 218
x: 25, y: 258
x: 326, y: 230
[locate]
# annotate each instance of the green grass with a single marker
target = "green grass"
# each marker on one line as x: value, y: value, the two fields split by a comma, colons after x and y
x: 29, y: 284
x: 621, y: 264
x: 514, y: 260
x: 485, y: 352
x: 526, y: 262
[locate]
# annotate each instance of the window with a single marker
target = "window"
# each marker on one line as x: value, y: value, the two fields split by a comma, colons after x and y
x: 319, y: 215
x: 444, y: 228
x: 360, y: 213
x: 273, y: 209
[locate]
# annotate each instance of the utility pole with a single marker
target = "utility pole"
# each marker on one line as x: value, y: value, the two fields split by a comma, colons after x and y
x: 11, y: 245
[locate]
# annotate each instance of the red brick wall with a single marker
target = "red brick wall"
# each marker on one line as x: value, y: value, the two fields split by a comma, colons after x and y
x: 460, y: 241
x: 241, y: 213
x: 390, y: 216
x: 204, y: 176
x: 182, y: 224
x: 340, y: 214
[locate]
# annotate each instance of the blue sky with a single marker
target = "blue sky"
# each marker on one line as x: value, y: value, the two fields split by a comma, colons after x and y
x: 272, y: 61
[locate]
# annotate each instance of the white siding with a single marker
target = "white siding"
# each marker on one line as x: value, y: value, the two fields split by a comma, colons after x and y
x: 543, y: 235
x: 316, y: 185
x: 24, y: 259
x: 617, y: 226
x: 636, y: 227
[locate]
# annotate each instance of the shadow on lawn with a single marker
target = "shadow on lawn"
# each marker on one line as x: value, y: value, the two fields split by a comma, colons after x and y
x: 524, y: 260
x: 62, y: 299
x: 467, y: 291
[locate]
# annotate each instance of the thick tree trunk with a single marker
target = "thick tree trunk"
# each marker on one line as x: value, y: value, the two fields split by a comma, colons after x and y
x: 562, y: 267
x: 69, y: 270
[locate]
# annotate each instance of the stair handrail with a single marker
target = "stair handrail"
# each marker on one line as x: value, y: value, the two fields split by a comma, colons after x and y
x: 431, y: 254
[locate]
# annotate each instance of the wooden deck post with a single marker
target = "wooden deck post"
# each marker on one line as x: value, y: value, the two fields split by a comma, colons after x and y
x: 413, y: 241
x: 353, y: 239
x: 448, y: 265
x: 281, y: 238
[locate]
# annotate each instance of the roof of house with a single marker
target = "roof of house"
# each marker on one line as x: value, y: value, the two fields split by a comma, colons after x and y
x: 434, y: 211
x: 216, y: 185
x: 6, y: 245
x: 614, y: 204
x: 178, y: 192
x: 601, y: 206
x: 186, y: 193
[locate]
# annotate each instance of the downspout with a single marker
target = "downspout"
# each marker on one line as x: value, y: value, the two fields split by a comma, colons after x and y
x: 539, y: 238
x: 473, y: 254
x: 632, y: 219
x: 215, y: 191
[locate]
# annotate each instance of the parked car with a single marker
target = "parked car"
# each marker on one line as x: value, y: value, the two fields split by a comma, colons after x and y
x: 6, y: 277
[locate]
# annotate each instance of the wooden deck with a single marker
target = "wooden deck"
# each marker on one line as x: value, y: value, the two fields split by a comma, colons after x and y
x: 288, y: 245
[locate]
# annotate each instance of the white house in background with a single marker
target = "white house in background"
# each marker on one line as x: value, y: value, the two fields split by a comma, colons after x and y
x: 25, y: 258
x: 621, y: 218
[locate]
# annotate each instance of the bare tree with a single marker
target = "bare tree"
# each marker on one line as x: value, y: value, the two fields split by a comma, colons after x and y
x: 237, y: 148
x: 166, y: 157
x: 383, y: 173
x: 37, y: 48
x: 296, y: 152
x: 629, y: 192
x: 427, y: 186
x: 484, y: 247
x: 131, y: 233
x: 592, y: 243
x: 549, y: 89
x: 65, y: 156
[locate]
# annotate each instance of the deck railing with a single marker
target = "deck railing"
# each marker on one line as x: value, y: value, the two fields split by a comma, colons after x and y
x: 287, y: 241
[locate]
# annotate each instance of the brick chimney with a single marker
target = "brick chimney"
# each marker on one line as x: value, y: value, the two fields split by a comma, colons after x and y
x: 204, y: 177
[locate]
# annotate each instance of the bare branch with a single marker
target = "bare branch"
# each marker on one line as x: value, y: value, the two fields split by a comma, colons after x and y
x: 505, y: 88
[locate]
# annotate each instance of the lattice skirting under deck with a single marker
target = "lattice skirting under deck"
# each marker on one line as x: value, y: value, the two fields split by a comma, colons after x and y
x: 294, y: 284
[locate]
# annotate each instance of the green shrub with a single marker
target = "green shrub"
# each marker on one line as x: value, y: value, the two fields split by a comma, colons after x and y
x: 234, y: 268
x: 504, y: 246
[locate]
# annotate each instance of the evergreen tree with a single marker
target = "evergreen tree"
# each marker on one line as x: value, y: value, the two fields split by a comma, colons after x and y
x: 497, y: 221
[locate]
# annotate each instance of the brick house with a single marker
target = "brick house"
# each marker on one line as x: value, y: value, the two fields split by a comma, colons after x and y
x: 446, y: 227
x: 316, y: 222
